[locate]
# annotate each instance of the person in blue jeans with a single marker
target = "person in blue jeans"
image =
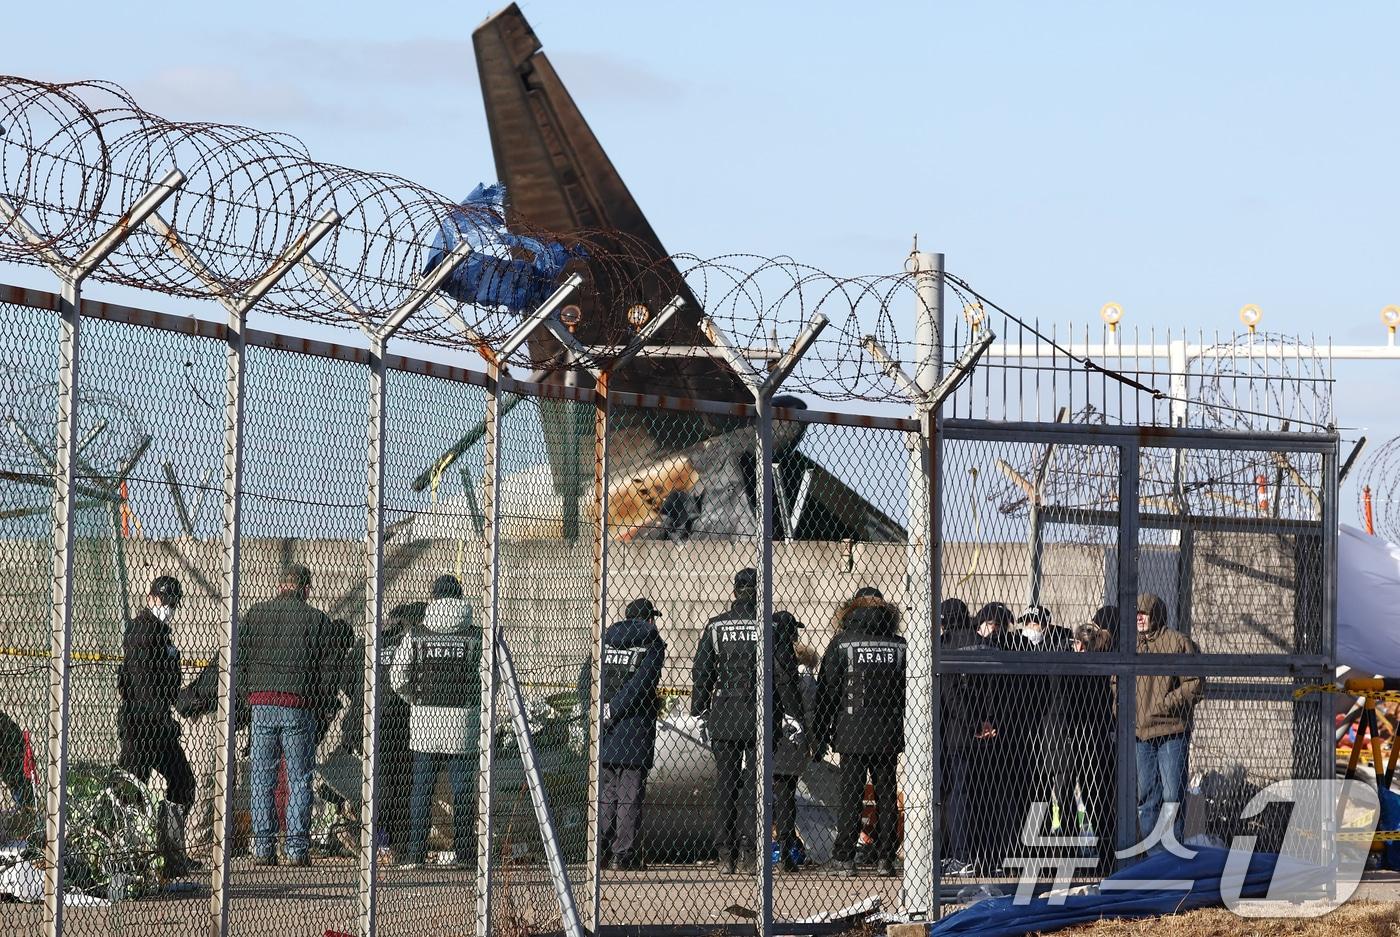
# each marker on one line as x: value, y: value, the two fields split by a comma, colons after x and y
x: 437, y: 670
x: 1165, y: 705
x: 283, y: 671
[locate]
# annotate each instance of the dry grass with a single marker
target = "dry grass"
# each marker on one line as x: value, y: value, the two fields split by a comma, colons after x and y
x: 1354, y: 919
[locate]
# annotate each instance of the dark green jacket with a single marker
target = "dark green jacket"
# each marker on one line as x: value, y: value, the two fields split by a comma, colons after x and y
x: 284, y: 646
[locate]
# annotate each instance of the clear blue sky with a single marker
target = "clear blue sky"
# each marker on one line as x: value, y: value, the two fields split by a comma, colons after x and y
x: 1182, y: 159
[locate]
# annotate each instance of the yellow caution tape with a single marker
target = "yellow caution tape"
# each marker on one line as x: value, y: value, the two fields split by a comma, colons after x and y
x: 1388, y: 696
x: 199, y: 663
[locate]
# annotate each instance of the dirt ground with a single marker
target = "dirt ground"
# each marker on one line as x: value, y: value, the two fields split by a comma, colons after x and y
x: 1354, y: 919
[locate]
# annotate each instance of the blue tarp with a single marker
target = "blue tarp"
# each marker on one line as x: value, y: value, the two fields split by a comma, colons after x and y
x: 1390, y: 823
x: 999, y: 917
x: 490, y: 276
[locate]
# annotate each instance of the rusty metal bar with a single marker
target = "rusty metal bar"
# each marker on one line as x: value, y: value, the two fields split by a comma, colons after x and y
x: 490, y: 491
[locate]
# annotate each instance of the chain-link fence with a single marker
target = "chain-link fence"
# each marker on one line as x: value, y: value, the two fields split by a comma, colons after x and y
x: 601, y: 660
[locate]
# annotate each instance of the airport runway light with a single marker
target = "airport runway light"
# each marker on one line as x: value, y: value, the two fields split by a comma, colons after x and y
x: 1111, y: 314
x: 975, y: 316
x: 1390, y: 315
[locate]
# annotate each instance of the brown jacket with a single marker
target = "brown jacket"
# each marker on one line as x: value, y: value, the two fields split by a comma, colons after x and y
x: 1165, y: 702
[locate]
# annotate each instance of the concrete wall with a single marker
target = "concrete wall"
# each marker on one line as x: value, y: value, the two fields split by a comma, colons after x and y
x: 1243, y: 600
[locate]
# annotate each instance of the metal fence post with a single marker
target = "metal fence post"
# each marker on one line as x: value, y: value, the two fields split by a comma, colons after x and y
x: 421, y: 292
x: 763, y: 748
x: 601, y: 409
x: 62, y: 620
x: 933, y: 422
x: 374, y: 620
x: 763, y: 389
x: 225, y: 759
x: 1326, y: 730
x: 1126, y: 773
x: 918, y: 771
x: 491, y: 511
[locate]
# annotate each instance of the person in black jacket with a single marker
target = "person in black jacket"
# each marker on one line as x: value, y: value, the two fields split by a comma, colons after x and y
x: 395, y: 758
x: 148, y: 682
x: 13, y: 746
x: 791, y: 750
x: 1090, y: 743
x: 633, y: 655
x: 283, y: 672
x: 956, y: 633
x: 860, y: 713
x: 724, y: 677
x: 993, y: 715
x: 1048, y: 772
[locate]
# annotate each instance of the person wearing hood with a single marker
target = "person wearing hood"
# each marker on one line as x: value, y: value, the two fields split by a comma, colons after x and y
x: 860, y: 714
x: 633, y: 656
x: 955, y: 624
x: 437, y: 671
x: 992, y: 627
x: 1165, y: 706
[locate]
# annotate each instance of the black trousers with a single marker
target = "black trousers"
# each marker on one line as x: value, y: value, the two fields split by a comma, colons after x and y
x: 396, y: 778
x: 734, y: 792
x: 785, y: 809
x: 155, y: 745
x: 880, y: 769
x: 622, y: 798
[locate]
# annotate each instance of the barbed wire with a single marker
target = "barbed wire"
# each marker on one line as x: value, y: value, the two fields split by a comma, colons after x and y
x: 75, y: 157
x: 1380, y: 486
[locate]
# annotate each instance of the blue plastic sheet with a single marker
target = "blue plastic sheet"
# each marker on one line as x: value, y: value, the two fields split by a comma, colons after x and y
x: 1000, y: 917
x: 490, y: 276
x: 1390, y: 822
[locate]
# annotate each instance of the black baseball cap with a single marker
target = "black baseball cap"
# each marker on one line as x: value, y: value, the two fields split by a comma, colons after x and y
x: 639, y: 609
x: 785, y: 622
x: 1035, y: 613
x: 168, y: 590
x: 746, y: 578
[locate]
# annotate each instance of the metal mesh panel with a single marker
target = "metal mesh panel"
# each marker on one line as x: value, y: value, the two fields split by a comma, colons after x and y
x: 681, y: 521
x: 1235, y: 547
x: 842, y: 508
x: 303, y: 504
x: 1028, y: 557
x: 433, y: 527
x: 1249, y: 733
x: 29, y: 355
x: 1228, y: 534
x: 545, y: 582
x: 150, y: 422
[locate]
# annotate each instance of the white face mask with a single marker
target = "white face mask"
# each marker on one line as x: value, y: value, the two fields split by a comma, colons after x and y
x: 161, y: 611
x: 1034, y: 636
